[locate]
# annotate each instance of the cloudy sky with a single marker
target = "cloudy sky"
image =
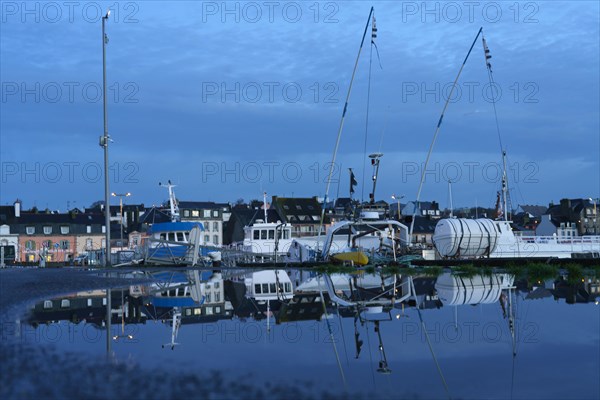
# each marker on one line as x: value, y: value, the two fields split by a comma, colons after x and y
x: 228, y: 100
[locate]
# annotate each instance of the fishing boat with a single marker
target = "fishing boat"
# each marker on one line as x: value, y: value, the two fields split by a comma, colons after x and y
x: 177, y: 242
x: 266, y: 238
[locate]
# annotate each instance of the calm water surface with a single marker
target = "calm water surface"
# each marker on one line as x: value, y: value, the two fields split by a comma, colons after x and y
x: 458, y: 337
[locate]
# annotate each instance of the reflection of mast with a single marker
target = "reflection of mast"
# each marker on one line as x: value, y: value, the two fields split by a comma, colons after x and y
x: 175, y: 324
x: 383, y: 365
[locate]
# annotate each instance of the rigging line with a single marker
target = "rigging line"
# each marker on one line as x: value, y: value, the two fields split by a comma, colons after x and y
x: 387, y: 119
x: 362, y: 190
x: 492, y: 86
x: 341, y: 127
x: 343, y: 336
x: 427, y: 337
x: 337, y: 356
x: 437, y: 130
x: 370, y: 354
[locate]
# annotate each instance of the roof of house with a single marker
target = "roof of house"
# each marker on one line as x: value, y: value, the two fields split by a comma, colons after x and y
x: 205, y: 205
x: 535, y: 211
x: 298, y: 210
x: 424, y: 224
x: 246, y: 216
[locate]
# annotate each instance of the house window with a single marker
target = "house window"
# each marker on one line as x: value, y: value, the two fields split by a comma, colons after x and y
x: 65, y: 303
x: 30, y: 245
x: 89, y: 302
x: 88, y: 229
x: 215, y: 226
x: 47, y: 230
x: 217, y: 285
x: 30, y: 230
x: 215, y: 214
x: 206, y: 225
x: 208, y: 297
x: 47, y: 304
x: 217, y: 297
x: 206, y: 214
x: 197, y: 311
x: 216, y: 239
x: 47, y: 243
x: 64, y: 230
x: 65, y: 244
x: 195, y: 213
x: 206, y: 238
x: 88, y: 244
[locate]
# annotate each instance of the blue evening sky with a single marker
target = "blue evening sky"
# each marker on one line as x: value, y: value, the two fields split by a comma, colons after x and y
x: 230, y: 99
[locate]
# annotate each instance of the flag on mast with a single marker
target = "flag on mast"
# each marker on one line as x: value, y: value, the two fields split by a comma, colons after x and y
x: 353, y: 181
x: 488, y: 56
x: 373, y: 30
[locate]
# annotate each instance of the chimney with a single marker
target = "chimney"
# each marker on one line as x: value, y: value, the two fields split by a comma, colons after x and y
x: 17, y: 205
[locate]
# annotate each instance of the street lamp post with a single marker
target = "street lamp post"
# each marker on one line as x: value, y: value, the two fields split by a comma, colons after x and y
x: 104, y: 143
x: 397, y: 198
x: 120, y: 196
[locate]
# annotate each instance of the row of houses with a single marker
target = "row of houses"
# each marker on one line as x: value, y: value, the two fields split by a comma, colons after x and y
x: 63, y: 236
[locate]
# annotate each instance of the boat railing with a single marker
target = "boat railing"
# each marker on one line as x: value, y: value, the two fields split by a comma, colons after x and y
x: 560, y: 239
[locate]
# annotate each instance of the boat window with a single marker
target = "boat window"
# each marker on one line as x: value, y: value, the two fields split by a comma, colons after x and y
x: 185, y: 236
x: 256, y: 234
x: 173, y: 292
x: 171, y: 236
x: 197, y: 311
x: 286, y: 234
x: 263, y: 234
x: 271, y: 234
x: 188, y: 312
x: 257, y: 288
x: 180, y: 237
x: 288, y: 287
x: 272, y: 288
x: 163, y: 236
x: 209, y: 310
x: 265, y: 288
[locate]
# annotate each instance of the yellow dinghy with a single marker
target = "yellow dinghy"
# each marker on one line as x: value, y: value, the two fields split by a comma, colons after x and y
x: 356, y: 257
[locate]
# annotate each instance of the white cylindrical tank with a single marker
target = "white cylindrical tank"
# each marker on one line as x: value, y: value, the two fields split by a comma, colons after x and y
x: 461, y: 237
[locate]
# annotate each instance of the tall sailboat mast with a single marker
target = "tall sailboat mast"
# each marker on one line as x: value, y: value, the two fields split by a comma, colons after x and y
x: 341, y: 127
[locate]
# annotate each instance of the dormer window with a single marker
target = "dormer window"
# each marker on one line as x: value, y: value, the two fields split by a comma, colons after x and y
x: 64, y: 230
x: 30, y: 230
x: 47, y: 230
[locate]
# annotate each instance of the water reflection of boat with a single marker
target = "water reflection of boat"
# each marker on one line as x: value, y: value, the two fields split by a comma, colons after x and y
x: 455, y: 290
